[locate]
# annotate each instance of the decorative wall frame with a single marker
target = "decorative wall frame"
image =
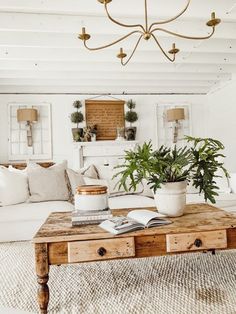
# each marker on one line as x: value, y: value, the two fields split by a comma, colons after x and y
x: 165, y: 128
x: 17, y: 134
x: 107, y: 115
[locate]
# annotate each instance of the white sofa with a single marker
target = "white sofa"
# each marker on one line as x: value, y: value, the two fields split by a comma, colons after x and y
x: 20, y: 222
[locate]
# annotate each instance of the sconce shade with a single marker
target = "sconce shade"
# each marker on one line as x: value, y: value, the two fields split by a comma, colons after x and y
x: 28, y: 114
x: 175, y: 114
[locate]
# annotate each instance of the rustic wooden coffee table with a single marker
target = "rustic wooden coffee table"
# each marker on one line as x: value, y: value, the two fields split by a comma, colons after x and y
x: 202, y: 228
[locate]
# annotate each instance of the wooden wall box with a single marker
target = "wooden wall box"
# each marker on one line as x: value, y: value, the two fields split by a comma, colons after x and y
x: 107, y: 115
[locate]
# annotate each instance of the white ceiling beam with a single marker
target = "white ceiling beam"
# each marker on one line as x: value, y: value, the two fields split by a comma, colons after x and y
x: 134, y: 76
x: 102, y: 90
x: 197, y: 9
x: 69, y: 41
x: 109, y: 55
x: 104, y: 82
x: 72, y: 25
x: 109, y: 67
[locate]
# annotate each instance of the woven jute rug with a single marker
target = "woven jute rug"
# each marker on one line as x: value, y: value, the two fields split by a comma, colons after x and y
x: 181, y: 284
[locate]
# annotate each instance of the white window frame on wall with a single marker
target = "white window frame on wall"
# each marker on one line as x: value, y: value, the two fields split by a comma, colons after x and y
x: 30, y: 155
x: 171, y: 105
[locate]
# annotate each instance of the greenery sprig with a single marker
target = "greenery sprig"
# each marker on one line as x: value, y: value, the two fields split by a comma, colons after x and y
x: 131, y: 116
x: 77, y: 116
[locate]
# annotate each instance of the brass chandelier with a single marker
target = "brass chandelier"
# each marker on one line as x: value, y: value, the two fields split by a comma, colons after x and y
x: 146, y: 32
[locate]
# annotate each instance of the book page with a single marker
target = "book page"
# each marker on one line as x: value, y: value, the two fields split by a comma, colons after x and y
x: 143, y: 216
x: 121, y: 224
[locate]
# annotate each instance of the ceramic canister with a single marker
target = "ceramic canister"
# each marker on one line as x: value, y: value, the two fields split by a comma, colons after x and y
x: 91, y: 197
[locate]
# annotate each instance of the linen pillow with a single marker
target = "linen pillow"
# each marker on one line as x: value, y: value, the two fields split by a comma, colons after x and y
x: 90, y: 172
x: 146, y: 190
x: 47, y: 184
x: 107, y: 173
x: 75, y: 179
x: 13, y: 187
x: 223, y: 183
x: 191, y: 189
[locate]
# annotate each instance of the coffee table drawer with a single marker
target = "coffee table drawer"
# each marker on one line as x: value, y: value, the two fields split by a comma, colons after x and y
x: 196, y: 241
x: 97, y: 250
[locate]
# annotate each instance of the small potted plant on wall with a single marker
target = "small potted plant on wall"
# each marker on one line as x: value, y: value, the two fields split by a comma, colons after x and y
x: 168, y: 171
x: 131, y: 116
x: 77, y: 117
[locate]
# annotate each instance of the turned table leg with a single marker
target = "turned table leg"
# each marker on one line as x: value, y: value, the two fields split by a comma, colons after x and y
x: 42, y: 270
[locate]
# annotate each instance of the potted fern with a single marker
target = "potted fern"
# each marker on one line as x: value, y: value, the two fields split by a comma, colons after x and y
x: 168, y: 171
x: 77, y: 117
x: 131, y: 116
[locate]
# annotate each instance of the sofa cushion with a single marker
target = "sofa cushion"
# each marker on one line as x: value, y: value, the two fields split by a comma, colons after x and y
x: 32, y: 211
x: 89, y: 171
x: 13, y: 187
x: 107, y: 173
x: 21, y: 222
x: 47, y: 184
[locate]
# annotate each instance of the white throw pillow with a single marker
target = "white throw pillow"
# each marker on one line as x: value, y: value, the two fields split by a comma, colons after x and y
x: 47, y: 184
x: 89, y: 171
x: 107, y: 173
x: 76, y: 179
x: 191, y: 189
x: 146, y: 190
x: 13, y: 187
x: 232, y: 181
x: 223, y: 183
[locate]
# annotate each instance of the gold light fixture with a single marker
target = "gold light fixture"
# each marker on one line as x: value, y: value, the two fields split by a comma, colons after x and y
x: 175, y: 115
x: 28, y: 115
x: 147, y: 32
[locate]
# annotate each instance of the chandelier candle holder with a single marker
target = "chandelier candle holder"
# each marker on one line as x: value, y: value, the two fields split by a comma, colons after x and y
x: 147, y: 32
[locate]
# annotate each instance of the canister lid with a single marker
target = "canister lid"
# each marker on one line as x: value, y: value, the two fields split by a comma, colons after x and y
x: 91, y: 189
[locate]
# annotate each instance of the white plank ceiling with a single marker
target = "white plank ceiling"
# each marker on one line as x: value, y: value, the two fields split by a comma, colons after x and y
x: 40, y: 51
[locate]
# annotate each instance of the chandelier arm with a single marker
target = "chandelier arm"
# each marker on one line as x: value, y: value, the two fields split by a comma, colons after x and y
x: 135, y: 48
x: 163, y: 51
x: 113, y: 43
x: 119, y: 23
x: 183, y: 36
x: 173, y: 18
x: 146, y: 15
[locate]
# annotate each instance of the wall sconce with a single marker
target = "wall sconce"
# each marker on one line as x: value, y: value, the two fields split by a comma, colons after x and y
x: 29, y: 116
x: 175, y: 115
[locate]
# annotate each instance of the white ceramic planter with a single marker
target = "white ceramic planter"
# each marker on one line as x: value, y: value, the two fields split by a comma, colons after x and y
x: 170, y: 199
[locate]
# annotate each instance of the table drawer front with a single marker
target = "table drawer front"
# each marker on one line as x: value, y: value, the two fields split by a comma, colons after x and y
x: 97, y: 250
x: 196, y: 241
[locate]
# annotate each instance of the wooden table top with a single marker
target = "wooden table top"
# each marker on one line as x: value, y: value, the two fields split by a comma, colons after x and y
x: 197, y: 217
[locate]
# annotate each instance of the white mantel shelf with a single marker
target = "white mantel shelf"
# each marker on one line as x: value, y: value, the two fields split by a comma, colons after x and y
x: 106, y: 143
x: 100, y: 151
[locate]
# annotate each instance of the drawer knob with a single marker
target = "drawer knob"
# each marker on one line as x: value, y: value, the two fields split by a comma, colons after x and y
x: 101, y: 251
x: 198, y: 243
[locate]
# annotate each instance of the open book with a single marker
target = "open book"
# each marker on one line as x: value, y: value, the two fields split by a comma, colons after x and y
x: 135, y: 220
